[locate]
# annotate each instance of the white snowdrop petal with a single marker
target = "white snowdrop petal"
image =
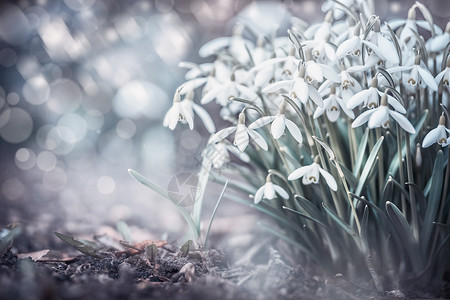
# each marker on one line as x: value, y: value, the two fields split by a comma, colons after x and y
x: 427, y: 78
x: 389, y: 51
x: 314, y: 71
x: 174, y: 115
x: 320, y: 110
x: 221, y: 134
x: 362, y: 118
x: 205, y: 117
x: 329, y: 73
x: 329, y: 51
x: 259, y: 195
x: 269, y: 191
x: 395, y: 104
x: 299, y: 172
x: 241, y: 137
x: 277, y: 86
x: 263, y: 77
x: 212, y: 94
x: 280, y: 191
x: 315, y: 96
x: 191, y: 85
x: 246, y: 92
x: 431, y: 137
x: 333, y: 111
x: 399, y: 69
x: 294, y: 130
x: 261, y: 122
x: 439, y: 76
x: 379, y: 117
x: 267, y: 64
x: 329, y: 179
x: 278, y: 126
x: 357, y: 99
x: 258, y: 139
x: 374, y: 48
x: 213, y: 46
x: 300, y: 89
x: 346, y: 47
x: 402, y: 121
x: 347, y: 111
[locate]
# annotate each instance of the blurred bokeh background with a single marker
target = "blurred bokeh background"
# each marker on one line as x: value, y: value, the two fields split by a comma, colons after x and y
x: 84, y: 85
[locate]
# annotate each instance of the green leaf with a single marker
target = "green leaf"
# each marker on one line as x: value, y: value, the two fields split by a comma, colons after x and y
x: 186, y: 248
x: 361, y: 150
x: 368, y: 166
x: 352, y: 181
x: 396, y: 43
x: 428, y: 17
x: 124, y: 230
x: 214, y: 213
x: 289, y: 240
x: 405, y: 234
x: 152, y: 252
x: 156, y: 188
x: 83, y: 247
x: 434, y: 197
x: 305, y: 216
x: 341, y: 223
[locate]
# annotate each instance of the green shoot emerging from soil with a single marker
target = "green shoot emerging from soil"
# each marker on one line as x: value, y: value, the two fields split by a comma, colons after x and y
x: 339, y: 132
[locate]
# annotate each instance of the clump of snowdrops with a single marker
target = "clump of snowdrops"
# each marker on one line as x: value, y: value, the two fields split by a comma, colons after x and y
x: 339, y: 133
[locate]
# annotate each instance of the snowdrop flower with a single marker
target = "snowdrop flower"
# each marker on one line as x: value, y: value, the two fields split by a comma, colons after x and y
x: 316, y: 71
x: 241, y: 138
x: 370, y: 98
x: 298, y: 88
x: 387, y: 50
x: 332, y: 106
x: 324, y: 31
x: 228, y: 90
x: 218, y: 153
x: 331, y: 6
x: 279, y: 124
x: 439, y: 42
x: 312, y: 173
x: 236, y: 45
x: 183, y: 111
x: 380, y: 117
x: 444, y: 76
x: 418, y: 73
x: 269, y: 191
x: 438, y: 135
x: 351, y: 46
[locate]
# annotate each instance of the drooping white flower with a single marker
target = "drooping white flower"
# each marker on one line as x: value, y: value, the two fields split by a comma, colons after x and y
x: 419, y: 75
x: 298, y: 88
x: 335, y: 8
x: 333, y: 105
x: 183, y: 111
x: 236, y: 45
x: 439, y: 42
x: 316, y: 71
x: 269, y: 191
x: 379, y: 117
x: 279, y: 124
x: 227, y: 90
x: 370, y: 98
x: 351, y: 46
x: 312, y: 173
x: 444, y: 76
x: 218, y: 153
x: 242, y: 136
x: 385, y: 48
x: 439, y: 135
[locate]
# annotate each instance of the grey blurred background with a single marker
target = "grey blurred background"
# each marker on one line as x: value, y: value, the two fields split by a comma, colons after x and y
x: 84, y: 85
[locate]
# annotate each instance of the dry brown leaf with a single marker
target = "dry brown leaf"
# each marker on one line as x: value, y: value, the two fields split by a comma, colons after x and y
x: 137, y: 248
x: 36, y: 255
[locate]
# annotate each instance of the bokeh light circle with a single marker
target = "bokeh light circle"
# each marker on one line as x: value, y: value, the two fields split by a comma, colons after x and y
x: 16, y: 125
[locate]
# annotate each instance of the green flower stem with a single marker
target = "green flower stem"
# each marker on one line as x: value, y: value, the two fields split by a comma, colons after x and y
x: 412, y: 196
x: 444, y: 191
x: 380, y: 166
x: 400, y: 167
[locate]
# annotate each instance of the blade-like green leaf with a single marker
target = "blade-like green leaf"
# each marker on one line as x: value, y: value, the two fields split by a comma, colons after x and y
x: 368, y: 166
x: 361, y: 150
x: 406, y: 236
x: 305, y: 216
x: 214, y: 214
x: 124, y: 230
x: 7, y: 236
x: 433, y: 202
x: 80, y: 246
x: 393, y: 167
x: 341, y: 223
x: 156, y: 188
